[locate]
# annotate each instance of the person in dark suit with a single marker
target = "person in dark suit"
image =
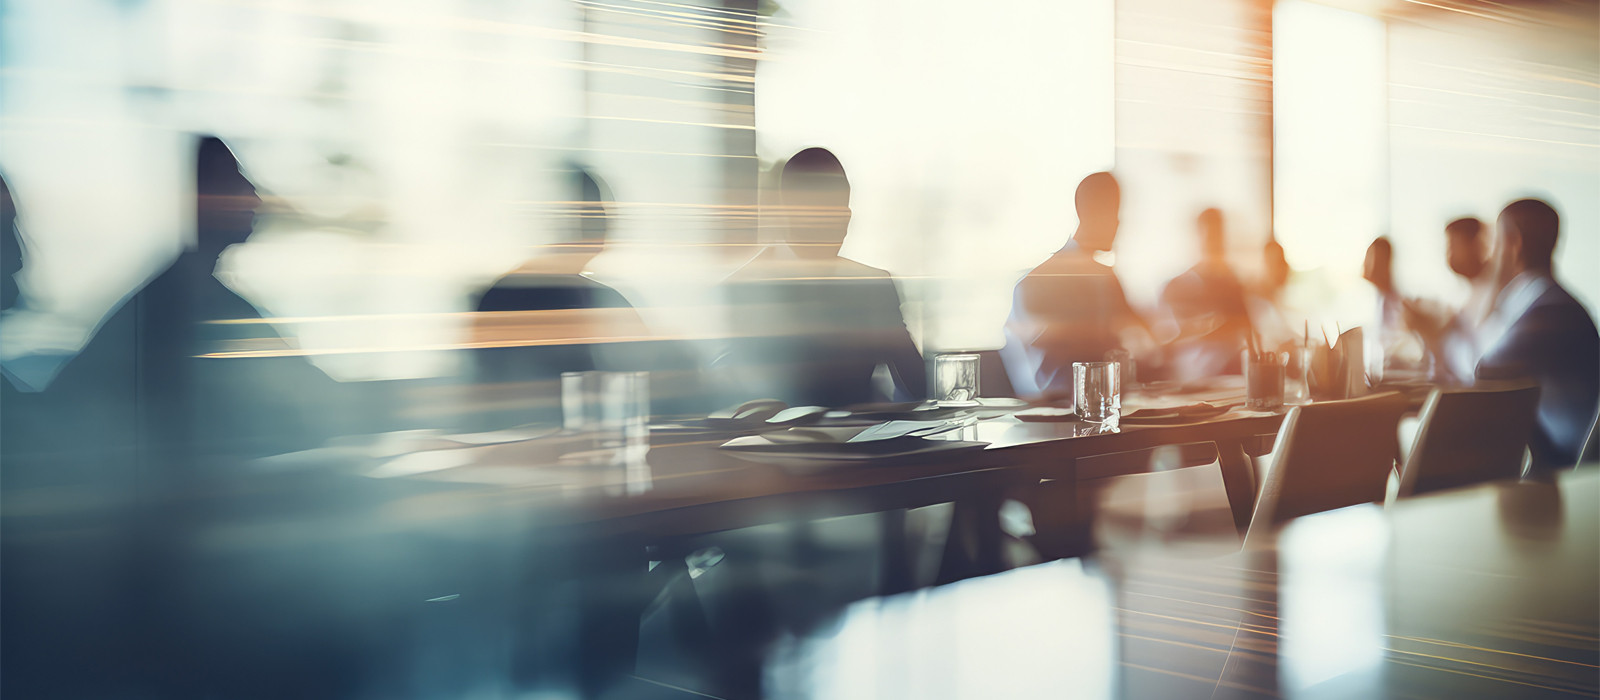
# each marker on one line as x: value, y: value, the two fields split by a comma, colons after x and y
x: 1538, y: 331
x: 813, y: 327
x: 1071, y: 308
x: 525, y: 352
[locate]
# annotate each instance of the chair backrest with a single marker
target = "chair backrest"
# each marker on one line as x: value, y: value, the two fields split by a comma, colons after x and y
x: 1591, y: 445
x: 1330, y: 455
x: 1470, y: 436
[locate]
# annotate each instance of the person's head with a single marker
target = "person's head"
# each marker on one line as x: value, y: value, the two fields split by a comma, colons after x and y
x: 1209, y: 226
x: 1098, y: 200
x: 226, y: 199
x: 817, y: 195
x: 1528, y: 231
x: 591, y: 198
x: 1274, y: 267
x: 1379, y: 265
x: 1465, y: 250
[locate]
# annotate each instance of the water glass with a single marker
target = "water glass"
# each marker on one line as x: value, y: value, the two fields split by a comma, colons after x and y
x: 609, y: 413
x: 1263, y: 381
x: 1129, y: 369
x: 1298, y: 390
x: 955, y: 379
x: 1097, y: 391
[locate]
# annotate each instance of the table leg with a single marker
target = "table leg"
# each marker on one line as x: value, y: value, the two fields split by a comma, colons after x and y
x: 896, y: 575
x: 975, y: 544
x: 1239, y: 478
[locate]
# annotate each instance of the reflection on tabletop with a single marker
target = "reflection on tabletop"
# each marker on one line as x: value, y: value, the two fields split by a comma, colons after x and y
x: 1484, y: 592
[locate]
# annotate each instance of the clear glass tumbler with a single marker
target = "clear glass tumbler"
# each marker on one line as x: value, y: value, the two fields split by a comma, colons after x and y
x: 1264, y: 381
x: 609, y: 414
x: 955, y: 379
x: 1097, y: 390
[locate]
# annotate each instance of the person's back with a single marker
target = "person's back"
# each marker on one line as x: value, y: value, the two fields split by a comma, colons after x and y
x: 812, y: 327
x: 1070, y: 308
x: 1538, y: 331
x: 814, y: 333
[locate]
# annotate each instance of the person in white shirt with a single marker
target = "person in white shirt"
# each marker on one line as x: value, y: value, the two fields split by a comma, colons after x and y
x: 1451, y: 338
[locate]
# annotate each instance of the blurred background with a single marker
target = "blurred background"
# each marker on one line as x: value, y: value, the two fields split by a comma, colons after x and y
x: 248, y: 236
x: 412, y: 153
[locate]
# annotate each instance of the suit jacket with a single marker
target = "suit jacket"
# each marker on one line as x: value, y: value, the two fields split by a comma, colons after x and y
x: 816, y: 340
x: 1554, y: 343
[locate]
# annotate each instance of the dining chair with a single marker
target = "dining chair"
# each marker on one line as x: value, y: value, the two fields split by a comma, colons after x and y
x: 1469, y: 436
x: 1328, y: 455
x: 1590, y: 452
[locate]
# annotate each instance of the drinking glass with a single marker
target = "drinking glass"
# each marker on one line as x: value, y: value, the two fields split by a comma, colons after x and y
x: 1097, y: 391
x: 609, y: 414
x: 1129, y: 369
x: 955, y: 379
x: 1298, y: 390
x: 1263, y: 381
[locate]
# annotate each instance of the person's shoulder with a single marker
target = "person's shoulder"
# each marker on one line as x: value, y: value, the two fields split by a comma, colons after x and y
x: 1069, y: 262
x: 1556, y: 312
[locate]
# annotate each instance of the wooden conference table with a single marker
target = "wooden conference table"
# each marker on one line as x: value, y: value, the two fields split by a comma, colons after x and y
x: 690, y: 486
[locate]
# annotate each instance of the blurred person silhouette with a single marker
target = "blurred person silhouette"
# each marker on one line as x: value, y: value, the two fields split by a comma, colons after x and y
x: 11, y: 249
x: 538, y: 284
x: 1389, y: 340
x: 562, y: 309
x: 1538, y: 331
x: 1207, y: 303
x: 197, y: 404
x: 813, y: 327
x: 1449, y: 335
x: 1071, y: 307
x: 150, y: 381
x: 1273, y: 315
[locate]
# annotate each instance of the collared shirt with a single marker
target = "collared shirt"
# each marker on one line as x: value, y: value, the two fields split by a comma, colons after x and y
x: 1514, y: 301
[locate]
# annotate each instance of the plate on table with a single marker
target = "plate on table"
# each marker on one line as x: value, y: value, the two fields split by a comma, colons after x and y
x: 1192, y: 413
x: 878, y: 439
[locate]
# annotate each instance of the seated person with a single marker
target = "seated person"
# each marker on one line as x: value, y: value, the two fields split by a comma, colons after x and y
x: 811, y: 327
x: 1390, y: 342
x: 522, y: 348
x: 1070, y: 308
x: 1450, y: 337
x: 1538, y: 331
x: 1208, y: 304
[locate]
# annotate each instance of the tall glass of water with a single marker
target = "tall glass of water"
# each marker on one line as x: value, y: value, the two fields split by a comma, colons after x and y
x: 1097, y: 391
x: 955, y: 379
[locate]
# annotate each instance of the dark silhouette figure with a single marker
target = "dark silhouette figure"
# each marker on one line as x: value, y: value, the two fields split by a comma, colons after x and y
x: 11, y: 248
x: 1208, y: 304
x: 196, y: 405
x: 813, y: 326
x: 1538, y: 331
x: 1070, y: 308
x: 537, y: 348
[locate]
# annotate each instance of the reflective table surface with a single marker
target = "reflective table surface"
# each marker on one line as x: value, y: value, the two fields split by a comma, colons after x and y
x: 1490, y: 592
